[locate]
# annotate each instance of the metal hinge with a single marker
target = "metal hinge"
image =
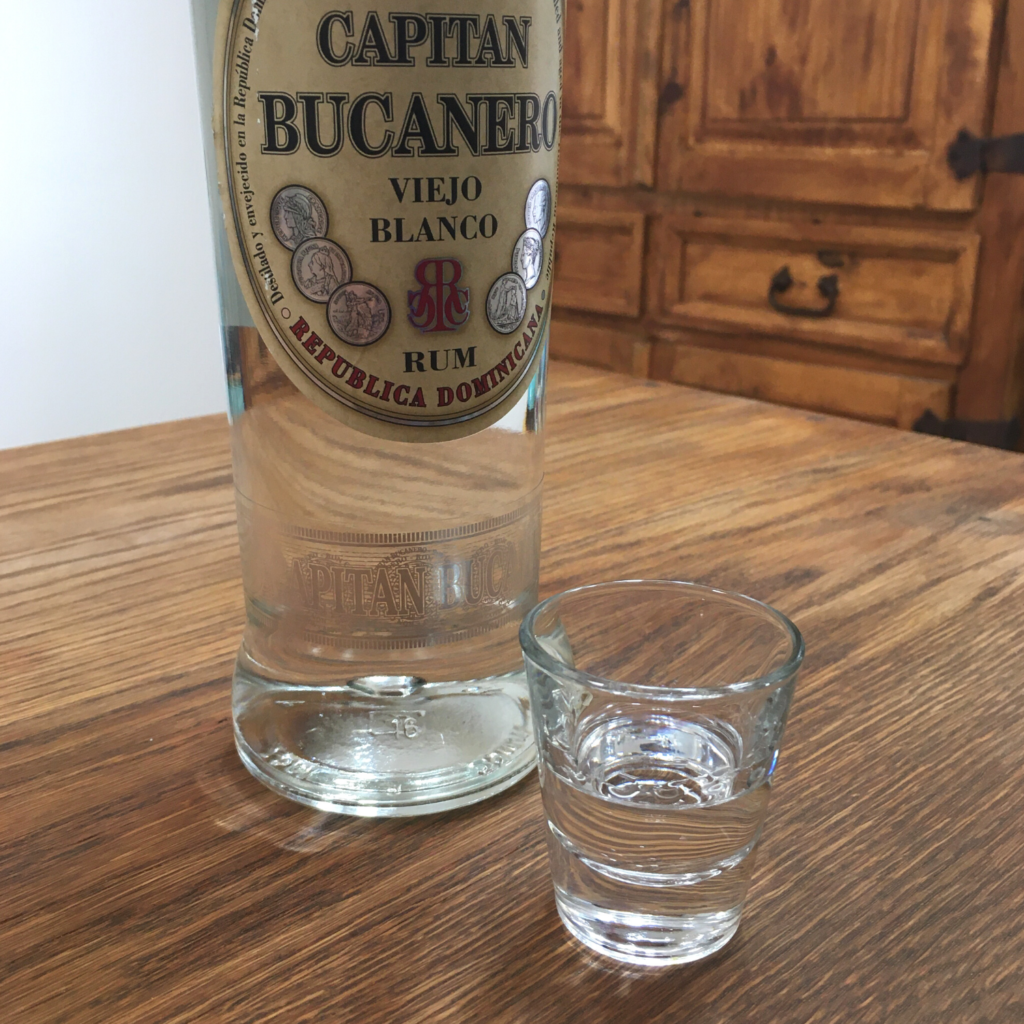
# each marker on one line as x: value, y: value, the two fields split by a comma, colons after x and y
x: 994, y: 433
x: 967, y: 155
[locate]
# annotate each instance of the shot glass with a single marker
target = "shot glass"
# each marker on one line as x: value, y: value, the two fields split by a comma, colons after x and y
x: 659, y: 709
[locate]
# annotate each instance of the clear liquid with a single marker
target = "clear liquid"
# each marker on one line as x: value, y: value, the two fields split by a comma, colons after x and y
x: 380, y: 671
x: 652, y: 847
x: 338, y: 748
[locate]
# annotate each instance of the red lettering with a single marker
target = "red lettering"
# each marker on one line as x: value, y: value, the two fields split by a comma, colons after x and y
x: 440, y: 305
x: 398, y: 391
x: 533, y: 323
x: 341, y: 367
x: 445, y: 396
x: 481, y: 385
x: 516, y: 351
x: 300, y: 328
x: 464, y: 392
x: 369, y: 387
x: 417, y: 399
x: 325, y: 353
x: 312, y: 343
x: 356, y: 379
x: 386, y: 393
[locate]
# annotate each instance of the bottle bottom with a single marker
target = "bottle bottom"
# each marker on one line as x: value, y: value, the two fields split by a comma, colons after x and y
x: 383, y: 746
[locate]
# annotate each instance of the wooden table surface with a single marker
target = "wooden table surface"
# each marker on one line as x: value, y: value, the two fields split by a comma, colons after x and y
x: 145, y: 877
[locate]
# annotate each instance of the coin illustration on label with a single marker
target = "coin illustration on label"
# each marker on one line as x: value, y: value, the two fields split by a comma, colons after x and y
x: 506, y: 303
x: 327, y: 162
x: 528, y: 256
x: 359, y: 313
x: 319, y: 268
x: 297, y: 213
x: 538, y: 207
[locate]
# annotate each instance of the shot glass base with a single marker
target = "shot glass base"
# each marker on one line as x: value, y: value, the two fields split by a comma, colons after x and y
x: 647, y: 940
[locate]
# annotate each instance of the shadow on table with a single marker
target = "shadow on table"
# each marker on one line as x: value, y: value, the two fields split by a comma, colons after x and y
x: 240, y: 804
x: 554, y: 978
x: 471, y: 890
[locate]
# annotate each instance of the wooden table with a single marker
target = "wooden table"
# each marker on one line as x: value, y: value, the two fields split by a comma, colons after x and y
x: 147, y: 878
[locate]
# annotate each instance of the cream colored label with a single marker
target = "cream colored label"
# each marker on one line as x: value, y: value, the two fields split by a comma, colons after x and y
x: 389, y: 186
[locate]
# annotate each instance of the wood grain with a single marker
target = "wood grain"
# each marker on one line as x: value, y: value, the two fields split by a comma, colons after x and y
x: 782, y: 131
x: 830, y: 101
x: 901, y: 293
x: 608, y: 347
x: 879, y: 397
x: 147, y: 879
x: 599, y: 260
x: 610, y: 88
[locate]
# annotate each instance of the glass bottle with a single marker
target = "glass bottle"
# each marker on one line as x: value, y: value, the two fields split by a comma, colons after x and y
x: 382, y: 188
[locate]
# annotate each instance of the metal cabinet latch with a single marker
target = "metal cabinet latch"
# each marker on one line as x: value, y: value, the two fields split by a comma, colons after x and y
x: 967, y: 155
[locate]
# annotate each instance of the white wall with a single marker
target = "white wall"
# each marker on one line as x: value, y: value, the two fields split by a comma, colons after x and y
x: 108, y: 312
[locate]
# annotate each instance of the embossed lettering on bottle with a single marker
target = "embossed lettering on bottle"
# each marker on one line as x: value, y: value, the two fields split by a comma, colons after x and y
x: 388, y: 178
x: 387, y: 592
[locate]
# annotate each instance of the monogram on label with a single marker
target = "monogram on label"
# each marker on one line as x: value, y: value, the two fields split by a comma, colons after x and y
x: 388, y: 181
x: 370, y: 208
x: 440, y: 304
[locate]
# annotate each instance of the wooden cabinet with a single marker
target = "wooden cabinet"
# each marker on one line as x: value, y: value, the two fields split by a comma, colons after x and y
x: 755, y: 197
x: 599, y: 260
x: 610, y: 90
x: 832, y: 101
x: 901, y: 292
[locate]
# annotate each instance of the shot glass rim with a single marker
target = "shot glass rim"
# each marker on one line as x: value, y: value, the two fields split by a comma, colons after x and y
x: 544, y: 660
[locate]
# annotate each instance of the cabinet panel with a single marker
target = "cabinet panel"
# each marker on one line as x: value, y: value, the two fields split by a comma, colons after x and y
x: 765, y: 63
x: 609, y: 90
x: 596, y: 344
x: 845, y: 101
x: 599, y: 261
x: 902, y: 293
x: 881, y: 397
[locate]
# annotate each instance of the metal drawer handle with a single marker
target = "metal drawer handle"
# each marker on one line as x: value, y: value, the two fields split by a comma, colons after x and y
x: 783, y: 281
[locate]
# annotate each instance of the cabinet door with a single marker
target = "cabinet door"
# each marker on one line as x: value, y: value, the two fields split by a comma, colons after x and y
x: 839, y: 101
x: 610, y: 92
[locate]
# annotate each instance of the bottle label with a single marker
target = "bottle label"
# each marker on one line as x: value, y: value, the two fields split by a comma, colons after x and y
x: 388, y: 179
